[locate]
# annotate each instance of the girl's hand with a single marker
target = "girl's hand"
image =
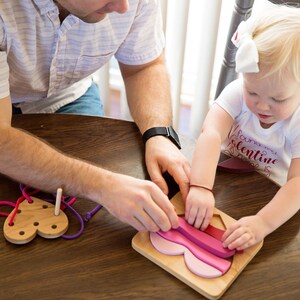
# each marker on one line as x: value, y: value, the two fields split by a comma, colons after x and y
x: 199, y: 207
x: 245, y: 233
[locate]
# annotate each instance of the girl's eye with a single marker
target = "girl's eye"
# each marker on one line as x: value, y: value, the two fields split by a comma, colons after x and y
x: 277, y: 100
x: 252, y: 93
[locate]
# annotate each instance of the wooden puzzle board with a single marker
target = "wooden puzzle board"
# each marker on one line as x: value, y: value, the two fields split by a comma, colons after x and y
x: 210, y: 288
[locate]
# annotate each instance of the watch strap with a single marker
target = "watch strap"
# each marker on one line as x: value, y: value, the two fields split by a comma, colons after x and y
x: 168, y: 132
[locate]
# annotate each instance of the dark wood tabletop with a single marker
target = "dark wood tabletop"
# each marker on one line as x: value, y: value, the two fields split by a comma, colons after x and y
x: 101, y: 263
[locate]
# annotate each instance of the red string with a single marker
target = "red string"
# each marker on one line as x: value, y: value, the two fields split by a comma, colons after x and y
x: 25, y: 195
x: 6, y: 203
x: 11, y: 221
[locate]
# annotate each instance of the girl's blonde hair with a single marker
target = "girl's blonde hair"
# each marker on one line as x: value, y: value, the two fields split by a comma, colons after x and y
x: 277, y: 37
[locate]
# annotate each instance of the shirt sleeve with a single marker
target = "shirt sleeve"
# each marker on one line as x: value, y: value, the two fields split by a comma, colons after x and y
x: 4, y: 69
x: 231, y: 98
x: 4, y: 75
x: 145, y: 41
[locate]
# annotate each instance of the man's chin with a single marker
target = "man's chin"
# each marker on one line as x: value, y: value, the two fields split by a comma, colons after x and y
x: 94, y: 18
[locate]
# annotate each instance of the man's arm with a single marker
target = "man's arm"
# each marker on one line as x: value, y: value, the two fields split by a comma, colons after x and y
x: 148, y: 93
x: 31, y: 161
x: 27, y: 159
x: 149, y: 100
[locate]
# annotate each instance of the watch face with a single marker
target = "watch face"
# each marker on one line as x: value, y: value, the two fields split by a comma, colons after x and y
x: 174, y: 137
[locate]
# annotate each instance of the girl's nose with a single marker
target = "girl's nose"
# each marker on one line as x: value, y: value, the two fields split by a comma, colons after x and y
x: 119, y: 6
x: 262, y: 105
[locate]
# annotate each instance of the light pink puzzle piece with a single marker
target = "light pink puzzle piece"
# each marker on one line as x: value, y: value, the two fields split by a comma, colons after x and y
x: 194, y: 264
x: 217, y: 262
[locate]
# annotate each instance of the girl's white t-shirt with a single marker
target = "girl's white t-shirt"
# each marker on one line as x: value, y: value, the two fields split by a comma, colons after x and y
x: 269, y: 150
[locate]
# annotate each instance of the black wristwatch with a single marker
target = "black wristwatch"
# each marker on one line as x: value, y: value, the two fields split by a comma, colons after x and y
x: 168, y: 132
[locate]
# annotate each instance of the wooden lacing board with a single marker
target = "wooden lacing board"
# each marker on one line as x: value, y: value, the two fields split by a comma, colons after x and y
x: 211, y: 288
x: 35, y: 218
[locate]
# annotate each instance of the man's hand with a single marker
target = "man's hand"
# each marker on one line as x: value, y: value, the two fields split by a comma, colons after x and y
x: 163, y: 156
x: 139, y: 203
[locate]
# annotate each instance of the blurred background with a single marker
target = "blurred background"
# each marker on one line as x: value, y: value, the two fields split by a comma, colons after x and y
x: 196, y: 33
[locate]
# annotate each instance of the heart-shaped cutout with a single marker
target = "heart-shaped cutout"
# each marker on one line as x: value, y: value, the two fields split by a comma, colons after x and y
x: 32, y: 219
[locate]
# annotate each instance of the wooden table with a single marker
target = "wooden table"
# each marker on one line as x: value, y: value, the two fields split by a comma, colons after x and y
x: 101, y: 263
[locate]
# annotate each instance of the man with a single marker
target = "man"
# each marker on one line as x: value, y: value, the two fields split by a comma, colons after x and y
x: 48, y: 51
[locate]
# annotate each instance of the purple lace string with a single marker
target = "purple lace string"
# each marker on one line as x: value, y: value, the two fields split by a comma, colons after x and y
x: 91, y: 213
x: 77, y: 215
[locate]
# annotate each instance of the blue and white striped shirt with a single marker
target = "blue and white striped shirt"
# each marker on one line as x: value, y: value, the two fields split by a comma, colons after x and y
x: 45, y: 64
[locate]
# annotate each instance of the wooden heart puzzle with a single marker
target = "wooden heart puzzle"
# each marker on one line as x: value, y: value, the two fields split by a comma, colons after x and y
x: 211, y: 288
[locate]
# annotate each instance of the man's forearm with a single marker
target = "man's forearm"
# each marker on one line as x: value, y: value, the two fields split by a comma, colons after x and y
x: 29, y: 160
x: 148, y: 95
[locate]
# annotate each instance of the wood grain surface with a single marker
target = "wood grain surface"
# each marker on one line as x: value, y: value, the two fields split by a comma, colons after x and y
x: 101, y: 263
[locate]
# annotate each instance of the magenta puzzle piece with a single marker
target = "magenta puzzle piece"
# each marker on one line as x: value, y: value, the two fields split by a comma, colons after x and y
x: 203, y: 239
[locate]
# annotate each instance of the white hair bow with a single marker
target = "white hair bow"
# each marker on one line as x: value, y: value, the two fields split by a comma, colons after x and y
x: 246, y: 59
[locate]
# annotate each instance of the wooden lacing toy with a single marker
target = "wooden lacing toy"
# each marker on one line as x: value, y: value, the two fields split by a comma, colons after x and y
x: 36, y: 216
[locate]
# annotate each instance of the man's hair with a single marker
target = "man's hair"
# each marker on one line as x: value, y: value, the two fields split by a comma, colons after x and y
x: 277, y: 37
